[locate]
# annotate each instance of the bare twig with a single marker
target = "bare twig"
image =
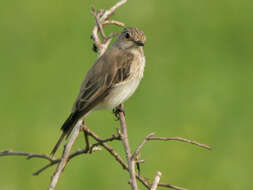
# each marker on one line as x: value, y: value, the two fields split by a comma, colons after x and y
x: 118, y: 158
x: 104, y: 141
x: 65, y: 156
x: 131, y: 162
x: 78, y: 152
x: 106, y: 146
x: 101, y: 142
x: 101, y: 18
x: 171, y: 186
x: 110, y: 11
x: 156, y: 181
x: 87, y: 149
x: 115, y: 155
x: 99, y: 24
x: 179, y: 139
x: 151, y: 137
x: 136, y: 152
x: 115, y: 22
x: 27, y: 154
x: 54, y: 161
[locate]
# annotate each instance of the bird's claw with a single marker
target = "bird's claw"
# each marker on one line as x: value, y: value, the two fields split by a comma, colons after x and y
x: 116, y: 111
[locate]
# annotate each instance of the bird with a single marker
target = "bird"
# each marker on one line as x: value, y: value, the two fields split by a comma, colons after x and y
x: 111, y: 80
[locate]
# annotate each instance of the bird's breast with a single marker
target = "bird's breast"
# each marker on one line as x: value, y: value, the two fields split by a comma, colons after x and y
x: 122, y: 91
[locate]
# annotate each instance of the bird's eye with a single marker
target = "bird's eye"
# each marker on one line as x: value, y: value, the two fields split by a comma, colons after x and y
x: 127, y: 35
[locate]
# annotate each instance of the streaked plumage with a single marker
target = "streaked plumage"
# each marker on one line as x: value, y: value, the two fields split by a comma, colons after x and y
x: 112, y: 79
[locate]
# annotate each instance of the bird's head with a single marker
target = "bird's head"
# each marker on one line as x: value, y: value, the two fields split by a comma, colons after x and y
x: 130, y: 37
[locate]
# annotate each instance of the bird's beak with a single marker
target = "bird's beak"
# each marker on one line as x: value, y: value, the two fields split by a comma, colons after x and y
x: 139, y: 43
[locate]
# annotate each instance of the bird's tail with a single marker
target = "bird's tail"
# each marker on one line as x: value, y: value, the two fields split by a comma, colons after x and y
x: 66, y: 128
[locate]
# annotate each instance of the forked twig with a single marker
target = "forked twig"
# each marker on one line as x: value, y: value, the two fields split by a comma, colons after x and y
x: 137, y: 150
x: 151, y: 137
x: 118, y: 158
x: 88, y: 149
x: 101, y: 19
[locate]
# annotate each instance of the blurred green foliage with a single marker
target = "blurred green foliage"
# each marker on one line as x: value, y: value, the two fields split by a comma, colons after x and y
x: 197, y: 84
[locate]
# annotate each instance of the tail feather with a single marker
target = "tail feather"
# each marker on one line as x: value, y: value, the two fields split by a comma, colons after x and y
x: 66, y: 128
x: 57, y: 144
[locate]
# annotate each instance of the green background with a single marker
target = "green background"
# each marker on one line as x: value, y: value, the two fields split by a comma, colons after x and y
x: 197, y: 85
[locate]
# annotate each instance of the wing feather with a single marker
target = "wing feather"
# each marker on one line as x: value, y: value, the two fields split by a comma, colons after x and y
x: 110, y: 69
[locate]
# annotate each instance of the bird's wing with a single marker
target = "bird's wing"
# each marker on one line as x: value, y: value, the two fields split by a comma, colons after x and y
x: 111, y: 68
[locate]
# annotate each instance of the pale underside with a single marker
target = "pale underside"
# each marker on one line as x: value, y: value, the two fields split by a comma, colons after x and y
x: 124, y: 90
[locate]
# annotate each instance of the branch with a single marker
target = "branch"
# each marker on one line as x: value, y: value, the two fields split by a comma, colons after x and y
x: 137, y: 150
x: 151, y: 137
x: 118, y: 158
x: 131, y: 162
x: 90, y: 149
x: 171, y: 186
x: 27, y: 154
x: 106, y: 146
x: 179, y: 139
x: 115, y: 22
x: 101, y: 19
x: 100, y: 142
x: 156, y: 181
x: 87, y: 149
x: 65, y: 156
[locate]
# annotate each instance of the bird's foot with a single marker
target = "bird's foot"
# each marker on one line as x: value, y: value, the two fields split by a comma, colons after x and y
x: 116, y: 111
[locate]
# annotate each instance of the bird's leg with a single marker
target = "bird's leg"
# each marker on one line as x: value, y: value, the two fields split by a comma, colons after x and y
x: 117, y: 110
x: 86, y: 138
x: 138, y: 166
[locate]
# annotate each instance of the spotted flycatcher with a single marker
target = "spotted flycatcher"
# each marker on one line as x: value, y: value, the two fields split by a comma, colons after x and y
x: 112, y: 79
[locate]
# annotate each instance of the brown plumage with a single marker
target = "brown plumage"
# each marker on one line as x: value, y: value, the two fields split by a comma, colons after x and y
x: 111, y: 80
